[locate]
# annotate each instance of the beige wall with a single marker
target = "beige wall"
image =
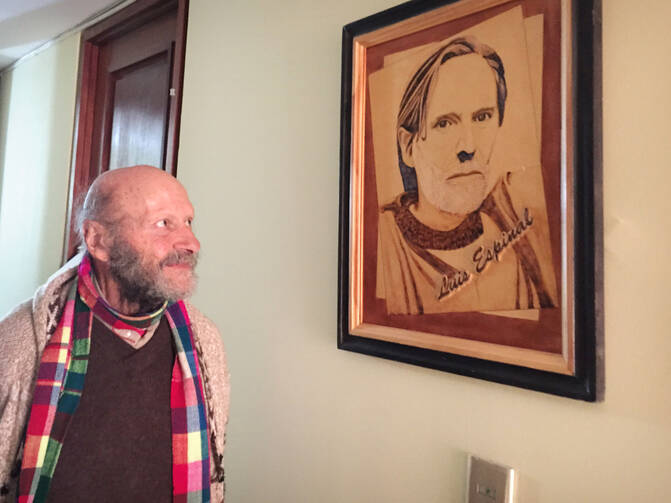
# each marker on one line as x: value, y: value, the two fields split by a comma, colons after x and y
x: 310, y: 423
x: 37, y: 103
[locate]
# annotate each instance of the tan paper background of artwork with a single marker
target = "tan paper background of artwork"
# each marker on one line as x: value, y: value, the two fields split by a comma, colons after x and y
x: 519, y: 43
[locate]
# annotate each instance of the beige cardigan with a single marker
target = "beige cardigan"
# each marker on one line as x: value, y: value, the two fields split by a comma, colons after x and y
x: 25, y: 331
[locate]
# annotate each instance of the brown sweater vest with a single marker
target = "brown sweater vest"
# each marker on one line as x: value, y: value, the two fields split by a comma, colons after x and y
x: 118, y: 446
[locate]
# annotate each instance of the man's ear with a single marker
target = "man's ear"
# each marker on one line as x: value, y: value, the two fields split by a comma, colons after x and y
x: 405, y: 144
x: 96, y: 238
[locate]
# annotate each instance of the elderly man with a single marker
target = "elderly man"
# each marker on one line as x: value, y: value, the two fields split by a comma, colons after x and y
x: 453, y: 240
x: 112, y: 387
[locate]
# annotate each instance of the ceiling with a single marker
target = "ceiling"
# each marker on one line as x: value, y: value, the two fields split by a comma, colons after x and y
x: 25, y: 25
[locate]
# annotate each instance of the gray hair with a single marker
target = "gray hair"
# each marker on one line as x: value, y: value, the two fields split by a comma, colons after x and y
x: 96, y: 206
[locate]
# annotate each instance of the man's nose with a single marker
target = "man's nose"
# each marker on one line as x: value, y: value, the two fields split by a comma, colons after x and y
x: 187, y: 240
x: 465, y: 143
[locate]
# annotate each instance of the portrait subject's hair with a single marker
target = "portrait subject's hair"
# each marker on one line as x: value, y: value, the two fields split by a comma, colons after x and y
x: 412, y: 111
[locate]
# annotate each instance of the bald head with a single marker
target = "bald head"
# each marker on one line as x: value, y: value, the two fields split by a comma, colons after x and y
x: 118, y: 194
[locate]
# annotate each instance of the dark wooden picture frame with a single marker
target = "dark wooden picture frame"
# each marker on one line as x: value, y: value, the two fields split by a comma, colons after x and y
x: 552, y: 341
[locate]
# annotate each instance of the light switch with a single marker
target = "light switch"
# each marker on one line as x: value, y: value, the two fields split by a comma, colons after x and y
x: 489, y: 482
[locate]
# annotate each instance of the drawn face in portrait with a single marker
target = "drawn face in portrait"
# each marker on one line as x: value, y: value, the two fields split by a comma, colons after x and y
x: 451, y: 155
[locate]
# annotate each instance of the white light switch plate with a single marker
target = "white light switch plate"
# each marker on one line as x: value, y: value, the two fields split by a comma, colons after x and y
x: 489, y: 482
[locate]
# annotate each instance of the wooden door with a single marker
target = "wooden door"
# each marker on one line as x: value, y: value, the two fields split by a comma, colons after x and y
x: 133, y: 93
x: 129, y: 96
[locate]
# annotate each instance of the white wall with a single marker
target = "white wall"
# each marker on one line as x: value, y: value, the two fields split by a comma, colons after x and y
x: 310, y: 423
x: 37, y: 103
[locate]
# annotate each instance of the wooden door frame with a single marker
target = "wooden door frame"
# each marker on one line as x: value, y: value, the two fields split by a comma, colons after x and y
x: 82, y: 172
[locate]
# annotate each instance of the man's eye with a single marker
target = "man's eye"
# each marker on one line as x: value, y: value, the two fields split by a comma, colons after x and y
x: 482, y: 116
x: 162, y: 223
x: 441, y: 123
x: 189, y: 222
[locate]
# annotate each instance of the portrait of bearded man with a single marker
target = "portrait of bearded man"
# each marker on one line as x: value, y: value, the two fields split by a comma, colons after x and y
x: 453, y: 240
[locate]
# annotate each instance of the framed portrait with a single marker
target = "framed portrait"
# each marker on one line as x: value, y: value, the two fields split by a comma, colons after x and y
x: 470, y: 236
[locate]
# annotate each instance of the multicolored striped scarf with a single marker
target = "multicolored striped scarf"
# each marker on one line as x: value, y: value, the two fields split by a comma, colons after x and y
x: 60, y: 384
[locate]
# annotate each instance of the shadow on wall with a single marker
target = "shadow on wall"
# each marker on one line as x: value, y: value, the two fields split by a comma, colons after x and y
x: 5, y: 93
x: 61, y: 131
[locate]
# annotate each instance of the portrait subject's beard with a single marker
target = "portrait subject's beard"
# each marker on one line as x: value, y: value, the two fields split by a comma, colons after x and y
x: 143, y: 282
x: 456, y: 191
